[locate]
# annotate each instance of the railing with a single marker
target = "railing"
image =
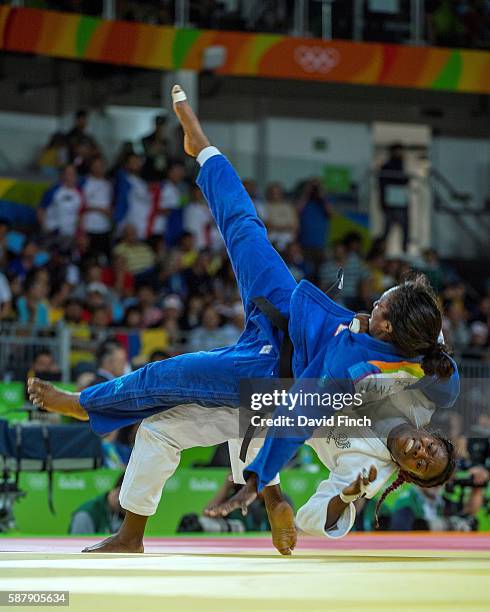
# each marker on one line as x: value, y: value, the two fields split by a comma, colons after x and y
x: 397, y: 21
x: 19, y: 345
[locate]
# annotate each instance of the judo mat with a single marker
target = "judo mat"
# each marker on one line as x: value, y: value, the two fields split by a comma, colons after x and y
x: 362, y: 572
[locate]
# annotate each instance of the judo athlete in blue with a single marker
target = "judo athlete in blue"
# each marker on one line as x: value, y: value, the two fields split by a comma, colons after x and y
x: 325, y: 351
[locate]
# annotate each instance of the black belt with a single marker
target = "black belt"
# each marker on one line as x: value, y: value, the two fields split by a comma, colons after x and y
x: 280, y: 321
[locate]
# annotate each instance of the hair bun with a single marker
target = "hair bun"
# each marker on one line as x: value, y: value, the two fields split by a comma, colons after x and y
x: 436, y: 362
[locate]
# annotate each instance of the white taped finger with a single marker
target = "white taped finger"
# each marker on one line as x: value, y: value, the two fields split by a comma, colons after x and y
x: 355, y: 326
x: 178, y: 95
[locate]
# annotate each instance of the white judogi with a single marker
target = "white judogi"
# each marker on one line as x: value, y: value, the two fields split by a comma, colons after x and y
x: 159, y: 442
x: 345, y: 456
x: 162, y: 437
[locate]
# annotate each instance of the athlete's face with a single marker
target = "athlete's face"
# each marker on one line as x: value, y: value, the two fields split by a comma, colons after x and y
x: 418, y: 452
x: 379, y: 324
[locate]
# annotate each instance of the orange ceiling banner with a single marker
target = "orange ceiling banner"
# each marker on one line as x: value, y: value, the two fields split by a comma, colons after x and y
x: 84, y: 38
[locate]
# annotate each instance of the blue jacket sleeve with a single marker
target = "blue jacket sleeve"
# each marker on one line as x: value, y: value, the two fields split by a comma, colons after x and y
x: 282, y: 441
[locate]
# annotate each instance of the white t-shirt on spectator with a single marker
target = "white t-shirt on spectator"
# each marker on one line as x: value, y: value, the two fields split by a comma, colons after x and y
x: 140, y: 203
x: 98, y: 194
x: 5, y: 293
x: 62, y: 214
x: 169, y: 200
x: 198, y: 220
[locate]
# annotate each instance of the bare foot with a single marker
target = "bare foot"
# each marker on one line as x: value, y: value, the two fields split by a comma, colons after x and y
x: 245, y: 496
x: 114, y: 544
x: 284, y: 535
x: 195, y: 139
x: 44, y: 395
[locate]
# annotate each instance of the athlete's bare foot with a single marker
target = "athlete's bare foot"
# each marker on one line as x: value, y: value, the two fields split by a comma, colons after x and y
x: 284, y: 535
x: 115, y: 544
x: 245, y: 496
x: 44, y: 395
x: 195, y: 139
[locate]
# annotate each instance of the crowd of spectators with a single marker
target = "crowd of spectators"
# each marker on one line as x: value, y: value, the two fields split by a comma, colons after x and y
x: 137, y: 249
x: 449, y: 23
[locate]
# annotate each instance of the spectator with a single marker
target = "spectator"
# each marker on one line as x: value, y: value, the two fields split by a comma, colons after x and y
x: 253, y: 191
x: 103, y: 514
x: 133, y: 319
x: 433, y: 269
x: 133, y: 200
x: 314, y: 214
x: 478, y: 344
x: 33, y: 307
x: 97, y: 297
x: 282, y: 220
x: 193, y: 312
x: 295, y: 260
x: 151, y: 314
x: 5, y: 298
x: 44, y: 366
x: 455, y: 325
x: 155, y: 146
x: 111, y: 360
x: 356, y: 275
x: 54, y: 156
x: 59, y: 213
x: 97, y: 210
x: 82, y: 146
x: 198, y: 221
x: 444, y: 25
x: 26, y: 262
x: 4, y: 248
x: 198, y: 277
x: 187, y: 250
x: 233, y: 329
x: 168, y: 200
x: 139, y: 257
x: 172, y: 307
x: 125, y: 151
x: 209, y: 334
x: 101, y: 318
x: 118, y: 277
x: 80, y: 332
x: 394, y: 194
x: 418, y: 509
x: 329, y: 270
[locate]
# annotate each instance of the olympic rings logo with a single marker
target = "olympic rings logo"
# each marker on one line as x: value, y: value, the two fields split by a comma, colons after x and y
x: 316, y: 59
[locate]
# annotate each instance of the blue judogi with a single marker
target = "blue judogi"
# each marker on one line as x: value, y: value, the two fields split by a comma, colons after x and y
x: 326, y: 353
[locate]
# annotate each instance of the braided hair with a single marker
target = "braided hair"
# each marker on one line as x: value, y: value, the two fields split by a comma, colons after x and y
x: 403, y: 476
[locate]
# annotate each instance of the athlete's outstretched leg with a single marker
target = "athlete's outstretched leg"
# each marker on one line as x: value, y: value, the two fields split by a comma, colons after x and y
x: 259, y: 269
x: 154, y: 459
x: 207, y: 378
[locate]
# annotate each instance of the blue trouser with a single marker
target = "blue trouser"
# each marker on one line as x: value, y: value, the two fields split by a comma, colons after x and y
x: 208, y: 378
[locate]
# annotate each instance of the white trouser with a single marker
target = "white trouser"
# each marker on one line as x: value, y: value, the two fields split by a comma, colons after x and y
x: 161, y: 438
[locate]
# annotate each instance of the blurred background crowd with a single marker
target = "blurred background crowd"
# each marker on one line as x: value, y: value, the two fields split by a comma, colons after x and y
x: 131, y: 244
x: 450, y: 23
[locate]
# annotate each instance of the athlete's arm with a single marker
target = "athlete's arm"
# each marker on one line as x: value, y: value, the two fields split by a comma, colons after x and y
x: 339, y: 503
x: 330, y: 511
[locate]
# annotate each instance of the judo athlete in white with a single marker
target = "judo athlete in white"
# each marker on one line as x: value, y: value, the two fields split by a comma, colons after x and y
x: 156, y: 455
